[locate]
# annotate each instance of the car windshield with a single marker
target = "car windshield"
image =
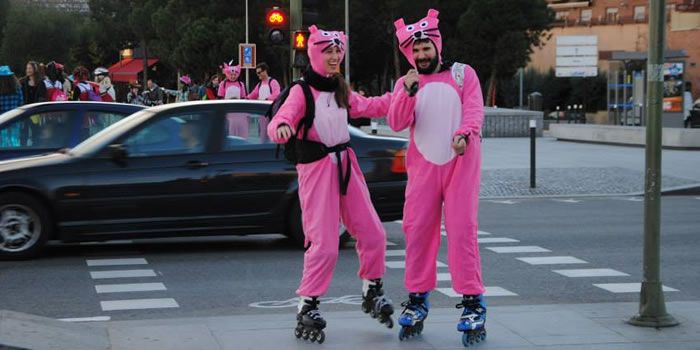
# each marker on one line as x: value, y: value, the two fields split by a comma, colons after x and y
x: 106, y: 136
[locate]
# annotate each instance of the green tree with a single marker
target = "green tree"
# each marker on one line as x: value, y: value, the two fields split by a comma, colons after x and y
x: 52, y: 33
x: 497, y: 37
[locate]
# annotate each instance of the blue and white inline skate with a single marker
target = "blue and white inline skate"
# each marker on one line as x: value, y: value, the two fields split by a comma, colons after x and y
x: 414, y: 313
x: 375, y: 303
x: 472, y: 323
x: 310, y: 324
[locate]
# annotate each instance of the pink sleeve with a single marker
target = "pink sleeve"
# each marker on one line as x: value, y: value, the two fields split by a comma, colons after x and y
x: 254, y: 94
x: 472, y: 104
x: 290, y: 113
x: 274, y: 89
x: 244, y: 93
x: 222, y: 90
x: 401, y: 111
x: 369, y: 107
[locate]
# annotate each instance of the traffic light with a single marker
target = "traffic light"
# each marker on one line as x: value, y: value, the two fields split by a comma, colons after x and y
x: 276, y: 20
x: 301, y: 38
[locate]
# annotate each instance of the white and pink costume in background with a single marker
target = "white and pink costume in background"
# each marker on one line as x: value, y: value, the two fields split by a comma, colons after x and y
x: 265, y: 90
x: 232, y: 88
x: 322, y: 204
x: 447, y: 104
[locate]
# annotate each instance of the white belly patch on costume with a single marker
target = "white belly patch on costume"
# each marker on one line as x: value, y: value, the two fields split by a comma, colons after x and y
x: 330, y: 121
x: 438, y: 116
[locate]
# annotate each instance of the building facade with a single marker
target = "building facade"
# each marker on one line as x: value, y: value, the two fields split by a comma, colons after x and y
x: 623, y: 26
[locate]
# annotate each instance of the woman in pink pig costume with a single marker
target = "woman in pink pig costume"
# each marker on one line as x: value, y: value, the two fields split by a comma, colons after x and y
x: 443, y: 106
x: 330, y: 191
x: 232, y: 88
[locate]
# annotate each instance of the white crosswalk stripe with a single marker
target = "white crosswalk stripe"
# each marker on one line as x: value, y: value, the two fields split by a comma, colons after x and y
x: 519, y: 249
x: 116, y: 262
x: 402, y: 264
x: 590, y: 273
x: 122, y: 274
x: 497, y: 240
x: 552, y: 260
x: 138, y: 304
x: 491, y: 291
x: 627, y: 287
x: 129, y: 287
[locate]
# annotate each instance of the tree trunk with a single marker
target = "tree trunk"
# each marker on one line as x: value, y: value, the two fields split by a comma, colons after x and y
x: 145, y: 63
x: 491, y: 92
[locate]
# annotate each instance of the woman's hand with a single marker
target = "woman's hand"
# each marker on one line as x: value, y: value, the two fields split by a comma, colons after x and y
x: 284, y: 132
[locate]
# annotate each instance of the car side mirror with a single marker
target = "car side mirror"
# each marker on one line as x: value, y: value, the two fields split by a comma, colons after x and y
x: 118, y: 153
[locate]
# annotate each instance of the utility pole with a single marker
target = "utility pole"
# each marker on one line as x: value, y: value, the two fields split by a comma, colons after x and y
x: 295, y: 23
x: 652, y: 308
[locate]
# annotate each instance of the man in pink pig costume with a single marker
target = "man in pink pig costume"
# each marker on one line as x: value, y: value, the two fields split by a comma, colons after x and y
x: 443, y: 106
x: 331, y: 184
x: 232, y: 88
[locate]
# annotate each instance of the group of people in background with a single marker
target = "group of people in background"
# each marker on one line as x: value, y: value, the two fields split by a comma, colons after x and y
x: 51, y: 82
x: 219, y: 86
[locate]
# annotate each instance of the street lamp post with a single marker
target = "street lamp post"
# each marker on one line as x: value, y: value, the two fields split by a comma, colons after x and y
x: 652, y: 308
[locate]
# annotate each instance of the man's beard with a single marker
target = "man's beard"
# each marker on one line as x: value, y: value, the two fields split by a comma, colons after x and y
x: 431, y: 68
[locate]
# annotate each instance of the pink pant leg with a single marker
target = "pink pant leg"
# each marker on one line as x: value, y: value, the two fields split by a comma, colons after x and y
x: 462, y: 179
x: 237, y: 124
x: 421, y: 225
x: 320, y: 212
x: 362, y: 221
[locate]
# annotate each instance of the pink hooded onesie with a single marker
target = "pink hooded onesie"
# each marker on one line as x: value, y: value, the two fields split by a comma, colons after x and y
x: 232, y: 88
x: 322, y: 204
x: 447, y: 104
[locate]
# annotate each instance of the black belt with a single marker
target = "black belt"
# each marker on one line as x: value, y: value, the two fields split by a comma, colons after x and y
x: 342, y: 180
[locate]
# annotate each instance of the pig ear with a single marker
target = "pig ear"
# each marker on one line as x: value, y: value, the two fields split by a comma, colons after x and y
x: 399, y: 23
x: 313, y: 29
x: 433, y: 13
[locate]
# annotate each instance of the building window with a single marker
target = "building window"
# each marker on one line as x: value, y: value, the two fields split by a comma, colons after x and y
x: 611, y: 15
x: 640, y: 13
x: 562, y: 15
x: 586, y: 15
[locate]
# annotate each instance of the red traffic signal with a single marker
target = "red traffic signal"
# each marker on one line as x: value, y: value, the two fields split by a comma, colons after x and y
x: 276, y: 17
x: 301, y: 38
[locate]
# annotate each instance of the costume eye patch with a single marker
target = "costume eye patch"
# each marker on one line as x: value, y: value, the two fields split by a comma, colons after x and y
x: 424, y: 24
x: 410, y: 28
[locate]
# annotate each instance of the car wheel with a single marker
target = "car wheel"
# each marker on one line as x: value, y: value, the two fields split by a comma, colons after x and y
x: 24, y: 226
x: 296, y: 230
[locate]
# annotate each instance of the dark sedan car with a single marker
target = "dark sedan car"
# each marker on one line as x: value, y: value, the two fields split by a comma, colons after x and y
x: 48, y: 127
x: 198, y: 168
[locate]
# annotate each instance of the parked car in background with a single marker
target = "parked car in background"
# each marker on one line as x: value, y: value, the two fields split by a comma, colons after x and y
x: 48, y: 127
x: 185, y: 169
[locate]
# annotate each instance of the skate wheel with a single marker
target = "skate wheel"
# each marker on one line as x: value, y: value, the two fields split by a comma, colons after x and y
x: 419, y: 328
x: 466, y: 339
x: 305, y: 334
x: 297, y: 333
x: 321, y: 337
x: 402, y: 334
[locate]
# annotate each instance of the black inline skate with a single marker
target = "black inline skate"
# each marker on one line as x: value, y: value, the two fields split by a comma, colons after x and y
x: 376, y: 304
x: 310, y: 324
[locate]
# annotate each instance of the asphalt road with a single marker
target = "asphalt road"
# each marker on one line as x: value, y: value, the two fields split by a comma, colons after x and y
x: 597, y: 239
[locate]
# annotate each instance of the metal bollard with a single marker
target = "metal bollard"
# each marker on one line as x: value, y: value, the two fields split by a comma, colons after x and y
x: 533, y: 133
x: 373, y: 124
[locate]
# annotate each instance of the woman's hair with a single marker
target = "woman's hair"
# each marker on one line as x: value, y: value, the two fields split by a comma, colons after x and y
x: 342, y: 91
x: 81, y: 73
x: 8, y: 85
x: 37, y: 72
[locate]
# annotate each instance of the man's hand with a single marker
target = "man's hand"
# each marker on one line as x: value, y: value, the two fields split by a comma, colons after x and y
x: 459, y: 144
x: 284, y: 132
x: 410, y: 79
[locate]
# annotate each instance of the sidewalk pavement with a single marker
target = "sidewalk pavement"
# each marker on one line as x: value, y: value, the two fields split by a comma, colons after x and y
x: 562, y: 326
x: 569, y: 169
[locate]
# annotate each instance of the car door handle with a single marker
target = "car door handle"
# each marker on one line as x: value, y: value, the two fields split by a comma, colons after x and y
x: 195, y: 164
